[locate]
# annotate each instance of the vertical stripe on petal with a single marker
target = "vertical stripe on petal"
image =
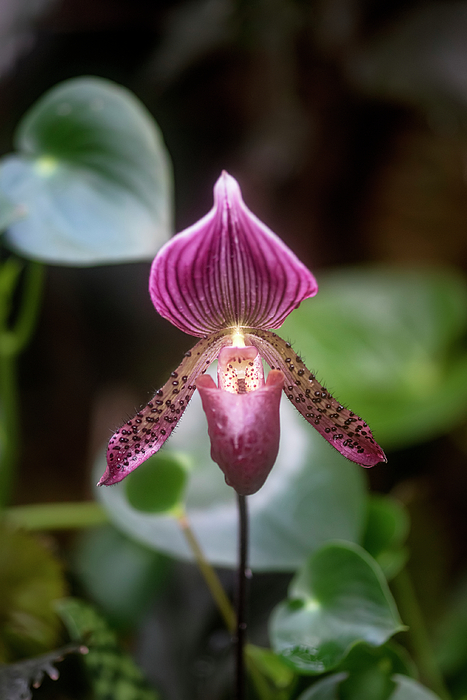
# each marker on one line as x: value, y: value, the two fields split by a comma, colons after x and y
x: 342, y: 428
x: 228, y: 270
x: 146, y: 432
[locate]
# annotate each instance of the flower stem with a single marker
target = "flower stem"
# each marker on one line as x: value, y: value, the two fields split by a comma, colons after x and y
x: 211, y: 578
x: 241, y: 598
x: 420, y: 644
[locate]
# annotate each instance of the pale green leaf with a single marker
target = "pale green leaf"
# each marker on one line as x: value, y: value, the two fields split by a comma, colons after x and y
x: 339, y: 598
x: 91, y: 176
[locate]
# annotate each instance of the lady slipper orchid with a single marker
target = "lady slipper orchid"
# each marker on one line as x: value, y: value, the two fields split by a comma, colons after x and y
x: 228, y: 279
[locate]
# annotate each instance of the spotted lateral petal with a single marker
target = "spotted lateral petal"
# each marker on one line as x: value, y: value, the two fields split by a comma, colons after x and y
x: 344, y: 430
x: 144, y: 435
x: 228, y: 270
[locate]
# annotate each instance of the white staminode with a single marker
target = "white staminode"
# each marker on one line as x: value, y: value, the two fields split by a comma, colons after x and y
x: 240, y: 370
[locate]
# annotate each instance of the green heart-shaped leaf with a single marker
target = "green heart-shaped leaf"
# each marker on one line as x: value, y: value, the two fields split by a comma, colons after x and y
x: 338, y: 599
x: 91, y: 175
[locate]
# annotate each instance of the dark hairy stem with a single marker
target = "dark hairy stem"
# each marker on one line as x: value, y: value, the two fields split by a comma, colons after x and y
x: 240, y: 686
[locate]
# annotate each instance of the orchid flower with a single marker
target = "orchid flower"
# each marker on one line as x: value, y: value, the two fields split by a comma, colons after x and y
x: 228, y: 280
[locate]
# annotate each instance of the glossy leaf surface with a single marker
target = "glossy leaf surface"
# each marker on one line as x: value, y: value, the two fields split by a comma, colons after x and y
x: 91, y: 176
x: 339, y: 598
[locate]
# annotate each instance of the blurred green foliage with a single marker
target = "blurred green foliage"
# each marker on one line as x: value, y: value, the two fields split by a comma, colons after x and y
x: 159, y: 486
x: 31, y: 579
x: 390, y: 343
x: 119, y: 574
x: 91, y: 179
x: 387, y: 527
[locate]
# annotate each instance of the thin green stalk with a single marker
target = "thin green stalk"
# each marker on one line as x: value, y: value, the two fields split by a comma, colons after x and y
x: 12, y: 341
x: 57, y: 516
x: 259, y: 681
x: 209, y: 575
x: 421, y: 648
x: 9, y: 422
x: 30, y: 304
